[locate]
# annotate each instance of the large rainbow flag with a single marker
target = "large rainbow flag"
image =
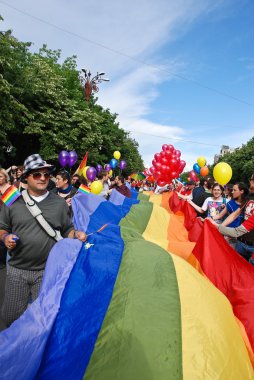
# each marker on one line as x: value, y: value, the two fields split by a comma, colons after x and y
x: 136, y: 301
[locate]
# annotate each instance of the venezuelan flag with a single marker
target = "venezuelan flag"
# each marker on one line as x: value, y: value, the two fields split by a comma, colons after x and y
x: 122, y: 306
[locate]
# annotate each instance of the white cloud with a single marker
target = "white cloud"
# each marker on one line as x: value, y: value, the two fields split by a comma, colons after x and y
x: 136, y: 28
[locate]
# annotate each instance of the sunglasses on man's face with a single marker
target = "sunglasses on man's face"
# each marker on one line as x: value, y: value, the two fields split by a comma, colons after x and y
x: 38, y: 175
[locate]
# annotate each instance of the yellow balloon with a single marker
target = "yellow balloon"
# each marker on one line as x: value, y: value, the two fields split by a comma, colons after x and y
x: 117, y: 155
x: 110, y: 173
x: 96, y: 187
x: 84, y: 171
x: 222, y: 173
x: 201, y: 161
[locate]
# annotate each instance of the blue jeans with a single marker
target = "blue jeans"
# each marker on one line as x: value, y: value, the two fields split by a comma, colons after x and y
x: 245, y: 251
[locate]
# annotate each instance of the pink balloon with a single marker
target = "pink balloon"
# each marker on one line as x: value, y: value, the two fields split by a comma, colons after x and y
x: 178, y: 153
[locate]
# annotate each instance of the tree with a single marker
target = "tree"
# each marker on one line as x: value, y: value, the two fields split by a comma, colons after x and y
x: 43, y: 109
x: 241, y: 162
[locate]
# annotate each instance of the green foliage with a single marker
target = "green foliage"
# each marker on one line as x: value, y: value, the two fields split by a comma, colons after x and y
x: 42, y: 110
x: 241, y: 162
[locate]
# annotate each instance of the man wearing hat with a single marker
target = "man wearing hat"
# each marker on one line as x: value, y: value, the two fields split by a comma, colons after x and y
x: 27, y: 241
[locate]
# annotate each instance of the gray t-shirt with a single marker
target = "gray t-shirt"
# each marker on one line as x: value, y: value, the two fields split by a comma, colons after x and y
x: 34, y: 244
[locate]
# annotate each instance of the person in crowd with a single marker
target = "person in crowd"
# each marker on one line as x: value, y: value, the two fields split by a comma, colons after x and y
x: 103, y: 176
x: 18, y: 182
x: 213, y: 205
x: 122, y: 188
x: 245, y: 242
x: 186, y: 191
x: 228, y: 191
x: 4, y: 186
x: 12, y: 172
x: 27, y: 241
x: 52, y: 183
x: 64, y: 187
x: 199, y: 201
x: 239, y: 194
x: 75, y: 181
x: 200, y: 189
x: 4, y: 181
x: 128, y: 182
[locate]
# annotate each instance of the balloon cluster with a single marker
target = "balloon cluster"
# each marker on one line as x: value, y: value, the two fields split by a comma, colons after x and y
x: 90, y: 173
x: 67, y: 158
x: 114, y: 162
x: 167, y: 165
x: 199, y: 168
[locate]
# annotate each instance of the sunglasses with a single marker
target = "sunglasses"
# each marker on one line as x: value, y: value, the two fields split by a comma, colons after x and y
x: 38, y: 175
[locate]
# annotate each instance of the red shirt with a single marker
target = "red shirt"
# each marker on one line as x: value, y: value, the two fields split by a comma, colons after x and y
x: 249, y: 223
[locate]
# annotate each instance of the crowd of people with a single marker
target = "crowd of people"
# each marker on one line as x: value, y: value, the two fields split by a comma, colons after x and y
x: 229, y: 208
x: 42, y: 215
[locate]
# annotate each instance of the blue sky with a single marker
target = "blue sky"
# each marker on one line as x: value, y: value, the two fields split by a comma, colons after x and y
x: 178, y: 57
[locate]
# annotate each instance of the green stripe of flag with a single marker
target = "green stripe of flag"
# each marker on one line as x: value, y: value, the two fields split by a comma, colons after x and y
x: 140, y: 338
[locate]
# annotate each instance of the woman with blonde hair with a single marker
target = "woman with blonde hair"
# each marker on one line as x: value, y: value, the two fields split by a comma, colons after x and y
x: 4, y: 181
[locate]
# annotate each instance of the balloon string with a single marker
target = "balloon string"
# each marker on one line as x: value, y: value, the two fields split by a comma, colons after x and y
x: 99, y: 230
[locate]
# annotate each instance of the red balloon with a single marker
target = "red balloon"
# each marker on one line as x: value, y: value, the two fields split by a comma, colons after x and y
x: 173, y: 163
x: 163, y: 153
x: 164, y: 147
x: 174, y: 174
x: 178, y: 153
x: 152, y: 169
x: 156, y: 156
x: 165, y: 169
x: 170, y: 148
x: 162, y: 182
x: 157, y: 165
x: 154, y: 162
x: 193, y: 175
x: 182, y: 166
x: 168, y: 153
x: 157, y: 175
x: 164, y: 160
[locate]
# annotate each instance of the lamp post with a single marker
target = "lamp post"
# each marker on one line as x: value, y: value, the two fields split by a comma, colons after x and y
x: 90, y: 83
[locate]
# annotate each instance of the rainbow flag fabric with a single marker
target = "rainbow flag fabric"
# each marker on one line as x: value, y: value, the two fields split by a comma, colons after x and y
x: 84, y: 189
x: 82, y: 165
x: 10, y: 195
x: 127, y: 304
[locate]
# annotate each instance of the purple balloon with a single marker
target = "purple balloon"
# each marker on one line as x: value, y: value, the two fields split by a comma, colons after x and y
x: 63, y: 158
x: 72, y: 158
x: 98, y: 168
x: 91, y: 173
x: 122, y: 164
x: 107, y: 167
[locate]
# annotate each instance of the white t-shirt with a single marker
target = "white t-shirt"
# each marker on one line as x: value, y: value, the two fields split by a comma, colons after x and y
x: 212, y: 206
x: 41, y: 197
